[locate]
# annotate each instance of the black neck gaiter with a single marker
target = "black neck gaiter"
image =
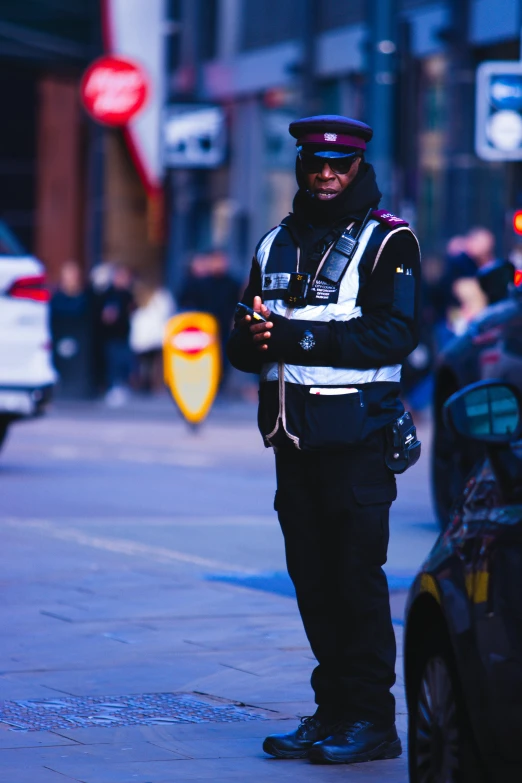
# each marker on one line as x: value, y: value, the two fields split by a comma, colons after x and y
x: 355, y: 201
x: 312, y: 219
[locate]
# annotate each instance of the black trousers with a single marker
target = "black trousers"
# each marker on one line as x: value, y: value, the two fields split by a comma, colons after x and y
x: 334, y: 510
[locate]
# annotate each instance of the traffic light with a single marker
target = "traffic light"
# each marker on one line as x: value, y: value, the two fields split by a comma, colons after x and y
x: 517, y: 222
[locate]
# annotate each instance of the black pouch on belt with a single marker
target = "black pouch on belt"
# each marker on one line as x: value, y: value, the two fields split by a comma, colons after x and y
x: 403, y: 449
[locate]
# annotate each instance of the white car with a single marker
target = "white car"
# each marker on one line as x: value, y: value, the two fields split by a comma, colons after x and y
x: 26, y: 371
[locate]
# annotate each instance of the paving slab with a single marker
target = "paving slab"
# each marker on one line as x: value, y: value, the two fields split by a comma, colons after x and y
x: 23, y: 773
x: 164, y: 735
x: 77, y: 754
x: 34, y: 739
x: 235, y: 770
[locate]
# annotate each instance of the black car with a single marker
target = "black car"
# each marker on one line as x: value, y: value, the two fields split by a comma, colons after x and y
x: 463, y: 631
x: 490, y: 348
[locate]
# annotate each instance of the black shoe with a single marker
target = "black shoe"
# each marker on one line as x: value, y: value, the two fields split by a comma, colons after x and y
x: 296, y: 744
x: 352, y: 743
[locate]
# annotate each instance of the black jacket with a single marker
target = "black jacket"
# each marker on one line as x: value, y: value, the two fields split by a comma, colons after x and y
x: 384, y: 334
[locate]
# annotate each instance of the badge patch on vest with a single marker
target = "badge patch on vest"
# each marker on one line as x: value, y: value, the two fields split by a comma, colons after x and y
x: 307, y: 341
x: 275, y: 285
x: 323, y: 292
x: 276, y: 280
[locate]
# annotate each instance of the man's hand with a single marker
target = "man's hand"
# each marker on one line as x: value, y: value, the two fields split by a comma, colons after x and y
x: 260, y: 331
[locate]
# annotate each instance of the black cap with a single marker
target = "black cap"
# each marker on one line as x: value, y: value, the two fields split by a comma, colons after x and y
x: 331, y: 129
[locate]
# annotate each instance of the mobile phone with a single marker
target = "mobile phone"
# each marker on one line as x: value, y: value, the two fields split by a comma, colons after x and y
x: 242, y: 310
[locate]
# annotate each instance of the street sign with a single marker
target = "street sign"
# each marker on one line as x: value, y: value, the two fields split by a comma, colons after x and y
x: 194, y: 136
x: 498, y: 117
x: 114, y: 89
x: 192, y: 363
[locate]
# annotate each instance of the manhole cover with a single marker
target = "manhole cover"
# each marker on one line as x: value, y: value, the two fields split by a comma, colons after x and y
x: 147, y: 709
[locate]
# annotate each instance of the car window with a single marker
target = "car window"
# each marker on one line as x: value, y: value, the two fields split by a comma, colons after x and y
x: 9, y: 245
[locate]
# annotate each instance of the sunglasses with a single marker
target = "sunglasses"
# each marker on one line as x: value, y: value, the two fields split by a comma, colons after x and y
x: 314, y: 164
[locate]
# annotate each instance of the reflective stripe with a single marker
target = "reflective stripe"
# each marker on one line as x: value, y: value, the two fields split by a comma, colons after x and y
x: 263, y: 250
x: 331, y: 376
x: 343, y: 310
x: 269, y: 372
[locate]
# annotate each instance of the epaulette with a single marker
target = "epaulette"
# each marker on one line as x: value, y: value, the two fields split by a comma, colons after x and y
x: 389, y: 220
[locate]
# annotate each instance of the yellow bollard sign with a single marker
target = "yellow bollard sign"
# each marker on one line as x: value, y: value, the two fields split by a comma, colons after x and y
x: 192, y: 363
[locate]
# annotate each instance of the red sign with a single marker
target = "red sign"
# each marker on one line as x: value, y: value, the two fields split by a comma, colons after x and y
x: 114, y: 89
x: 192, y: 340
x: 192, y: 363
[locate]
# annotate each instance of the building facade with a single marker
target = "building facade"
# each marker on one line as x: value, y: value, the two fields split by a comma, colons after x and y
x: 70, y: 188
x: 44, y: 139
x: 406, y: 66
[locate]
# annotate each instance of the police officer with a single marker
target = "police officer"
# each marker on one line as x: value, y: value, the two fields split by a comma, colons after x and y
x: 337, y: 282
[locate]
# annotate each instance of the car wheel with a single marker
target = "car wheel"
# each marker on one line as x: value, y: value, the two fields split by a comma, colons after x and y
x: 441, y: 746
x: 4, y: 426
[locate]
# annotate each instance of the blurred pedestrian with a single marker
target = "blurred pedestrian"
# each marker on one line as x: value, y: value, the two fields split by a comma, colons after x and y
x: 211, y: 288
x: 458, y: 260
x: 116, y: 304
x: 457, y: 264
x: 471, y: 302
x: 148, y: 323
x: 100, y: 278
x: 458, y: 292
x: 70, y: 319
x: 342, y: 279
x: 470, y: 291
x: 480, y: 247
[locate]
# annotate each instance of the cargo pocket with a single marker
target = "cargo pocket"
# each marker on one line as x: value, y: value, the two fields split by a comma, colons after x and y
x: 333, y: 421
x: 370, y: 521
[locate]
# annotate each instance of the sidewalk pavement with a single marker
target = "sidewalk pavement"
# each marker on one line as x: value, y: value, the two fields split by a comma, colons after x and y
x: 129, y: 665
x: 104, y: 627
